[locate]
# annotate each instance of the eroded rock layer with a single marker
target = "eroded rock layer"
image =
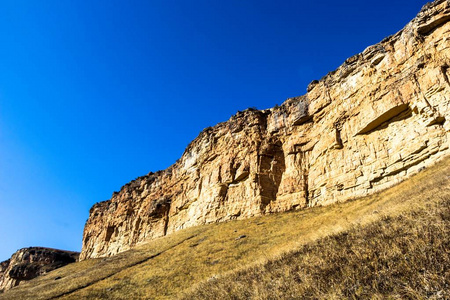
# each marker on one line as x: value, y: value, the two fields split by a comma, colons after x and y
x: 28, y: 263
x: 380, y: 117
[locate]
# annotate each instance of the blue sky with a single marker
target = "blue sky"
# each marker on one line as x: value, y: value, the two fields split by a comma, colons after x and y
x: 96, y: 93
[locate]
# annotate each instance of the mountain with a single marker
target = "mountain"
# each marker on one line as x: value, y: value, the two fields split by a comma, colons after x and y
x: 390, y: 245
x: 28, y: 263
x: 376, y: 129
x: 376, y: 120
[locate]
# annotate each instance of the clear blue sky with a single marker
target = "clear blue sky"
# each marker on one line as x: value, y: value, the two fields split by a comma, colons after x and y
x: 96, y: 93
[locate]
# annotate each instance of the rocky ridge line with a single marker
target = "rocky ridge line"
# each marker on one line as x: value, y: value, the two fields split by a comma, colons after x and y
x: 377, y: 119
x: 28, y: 263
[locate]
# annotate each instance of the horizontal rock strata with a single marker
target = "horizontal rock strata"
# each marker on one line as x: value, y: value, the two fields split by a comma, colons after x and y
x: 380, y: 117
x: 28, y: 263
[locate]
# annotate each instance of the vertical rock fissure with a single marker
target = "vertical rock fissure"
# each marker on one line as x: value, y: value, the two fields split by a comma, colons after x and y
x: 304, y: 167
x: 166, y: 217
x: 421, y: 92
x: 271, y: 166
x: 306, y: 186
x: 444, y: 74
x: 338, y: 141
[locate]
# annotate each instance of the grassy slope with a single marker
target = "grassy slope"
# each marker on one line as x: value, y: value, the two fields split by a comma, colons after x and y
x: 345, y: 264
x: 402, y: 257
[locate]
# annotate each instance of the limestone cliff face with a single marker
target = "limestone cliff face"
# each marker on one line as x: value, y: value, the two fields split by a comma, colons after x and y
x: 380, y: 117
x: 28, y: 263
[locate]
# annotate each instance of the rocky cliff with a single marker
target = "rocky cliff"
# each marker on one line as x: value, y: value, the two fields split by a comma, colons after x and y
x: 377, y: 119
x: 28, y: 263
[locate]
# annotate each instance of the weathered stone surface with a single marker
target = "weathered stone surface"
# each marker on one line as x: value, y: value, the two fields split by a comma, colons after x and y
x: 28, y: 263
x: 376, y: 120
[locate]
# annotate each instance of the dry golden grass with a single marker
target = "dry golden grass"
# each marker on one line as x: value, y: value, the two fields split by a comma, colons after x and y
x: 211, y: 256
x: 403, y: 257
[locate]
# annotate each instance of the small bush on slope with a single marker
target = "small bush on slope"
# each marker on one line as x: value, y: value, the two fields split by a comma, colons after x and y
x: 403, y: 257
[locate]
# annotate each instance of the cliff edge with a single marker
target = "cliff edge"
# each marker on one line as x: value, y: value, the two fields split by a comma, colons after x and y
x: 28, y: 263
x: 379, y: 118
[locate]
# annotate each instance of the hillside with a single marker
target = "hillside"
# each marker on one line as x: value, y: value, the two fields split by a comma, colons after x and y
x: 28, y: 263
x: 376, y: 120
x: 323, y: 196
x: 401, y: 257
x: 240, y: 256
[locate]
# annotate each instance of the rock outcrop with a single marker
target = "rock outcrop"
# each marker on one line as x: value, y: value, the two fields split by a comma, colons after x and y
x: 380, y: 117
x: 28, y: 263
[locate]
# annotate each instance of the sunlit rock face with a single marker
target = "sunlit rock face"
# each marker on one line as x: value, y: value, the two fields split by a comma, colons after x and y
x: 28, y: 263
x: 380, y: 117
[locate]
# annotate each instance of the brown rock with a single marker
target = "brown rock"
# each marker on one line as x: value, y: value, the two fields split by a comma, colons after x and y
x: 376, y: 120
x: 28, y: 263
